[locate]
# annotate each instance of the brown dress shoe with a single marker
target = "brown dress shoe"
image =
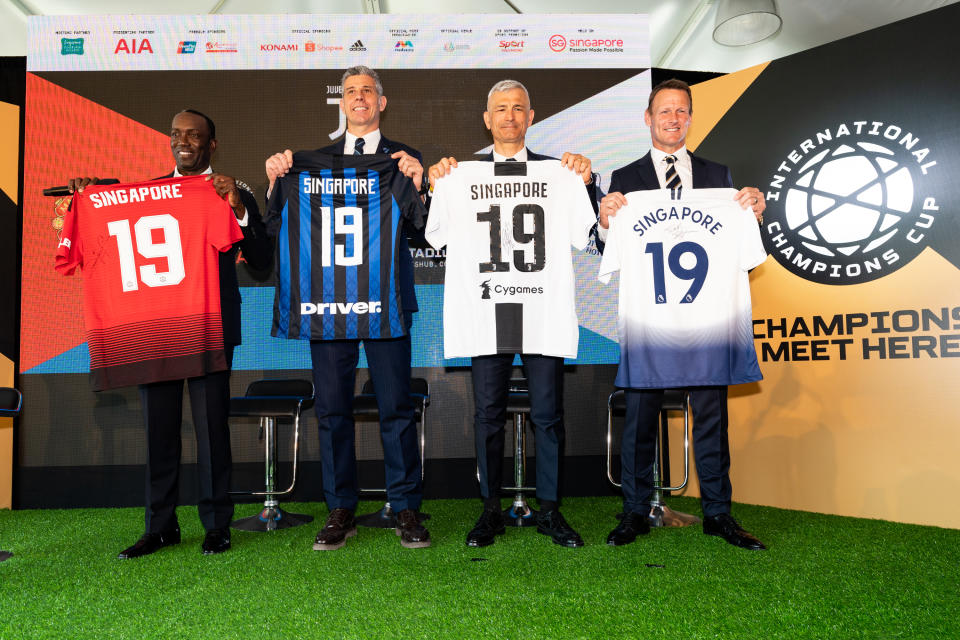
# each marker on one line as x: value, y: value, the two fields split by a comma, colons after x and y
x: 339, y: 526
x: 413, y: 535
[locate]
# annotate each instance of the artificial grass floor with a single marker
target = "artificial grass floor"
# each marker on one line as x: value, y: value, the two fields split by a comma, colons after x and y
x: 822, y: 577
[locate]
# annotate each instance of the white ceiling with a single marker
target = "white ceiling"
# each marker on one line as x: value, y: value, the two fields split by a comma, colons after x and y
x: 681, y: 30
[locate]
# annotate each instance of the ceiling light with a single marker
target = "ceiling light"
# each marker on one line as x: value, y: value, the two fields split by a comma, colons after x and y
x: 743, y: 22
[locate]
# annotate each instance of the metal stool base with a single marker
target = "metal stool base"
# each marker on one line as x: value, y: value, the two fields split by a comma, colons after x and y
x: 385, y: 518
x: 270, y: 519
x: 4, y: 555
x: 519, y: 514
x: 664, y: 516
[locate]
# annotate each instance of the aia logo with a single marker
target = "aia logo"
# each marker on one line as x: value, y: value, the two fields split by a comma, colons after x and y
x: 133, y: 45
x: 557, y: 43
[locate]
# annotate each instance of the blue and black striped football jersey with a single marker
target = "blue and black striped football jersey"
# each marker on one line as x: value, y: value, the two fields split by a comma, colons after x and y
x: 340, y: 220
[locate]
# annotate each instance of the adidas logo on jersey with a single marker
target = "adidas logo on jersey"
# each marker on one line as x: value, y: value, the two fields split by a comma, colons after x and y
x: 341, y: 308
x: 357, y: 46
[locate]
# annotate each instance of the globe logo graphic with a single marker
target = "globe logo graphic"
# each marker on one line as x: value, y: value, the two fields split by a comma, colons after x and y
x: 849, y: 200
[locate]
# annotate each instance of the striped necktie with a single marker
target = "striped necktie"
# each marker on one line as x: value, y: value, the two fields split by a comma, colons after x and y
x: 672, y: 178
x: 358, y: 147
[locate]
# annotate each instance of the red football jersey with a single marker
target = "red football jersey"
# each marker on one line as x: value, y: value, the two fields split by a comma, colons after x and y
x: 151, y: 280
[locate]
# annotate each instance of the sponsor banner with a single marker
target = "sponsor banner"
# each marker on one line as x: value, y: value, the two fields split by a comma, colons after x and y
x: 155, y: 43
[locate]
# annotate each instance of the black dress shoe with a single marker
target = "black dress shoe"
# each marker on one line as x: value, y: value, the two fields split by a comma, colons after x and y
x: 489, y: 525
x: 632, y: 525
x: 216, y: 541
x: 150, y: 542
x: 413, y: 535
x: 730, y: 530
x: 339, y: 526
x: 551, y: 523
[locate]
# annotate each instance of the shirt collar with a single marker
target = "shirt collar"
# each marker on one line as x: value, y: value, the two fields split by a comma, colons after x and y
x: 519, y: 156
x: 371, y: 142
x: 177, y: 174
x: 657, y: 155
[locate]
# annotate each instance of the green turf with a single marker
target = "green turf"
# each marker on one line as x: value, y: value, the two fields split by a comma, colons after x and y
x: 823, y: 577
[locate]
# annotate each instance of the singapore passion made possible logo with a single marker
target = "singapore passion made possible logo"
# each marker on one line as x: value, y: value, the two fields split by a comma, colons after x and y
x: 849, y: 205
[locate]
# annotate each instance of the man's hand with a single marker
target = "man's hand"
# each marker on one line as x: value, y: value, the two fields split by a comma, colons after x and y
x: 78, y: 184
x: 752, y: 198
x: 609, y: 206
x: 440, y: 169
x: 578, y: 163
x: 410, y: 167
x: 227, y: 189
x: 277, y: 165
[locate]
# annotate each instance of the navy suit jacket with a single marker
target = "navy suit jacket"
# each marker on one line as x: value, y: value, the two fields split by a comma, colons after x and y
x: 257, y: 251
x: 640, y: 175
x: 408, y: 291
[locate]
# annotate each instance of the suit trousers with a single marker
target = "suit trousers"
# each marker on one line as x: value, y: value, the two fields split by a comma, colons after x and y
x: 491, y: 377
x: 711, y: 447
x: 334, y: 375
x: 162, y: 404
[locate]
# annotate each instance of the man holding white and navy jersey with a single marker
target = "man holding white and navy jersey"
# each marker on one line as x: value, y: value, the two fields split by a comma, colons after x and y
x: 335, y: 358
x: 670, y: 165
x: 508, y: 116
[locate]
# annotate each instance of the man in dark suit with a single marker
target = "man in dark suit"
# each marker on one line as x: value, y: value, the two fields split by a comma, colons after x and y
x: 668, y: 115
x: 193, y: 142
x: 508, y: 116
x: 335, y: 361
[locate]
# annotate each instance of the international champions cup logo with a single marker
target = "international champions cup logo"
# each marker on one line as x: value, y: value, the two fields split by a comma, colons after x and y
x: 848, y: 205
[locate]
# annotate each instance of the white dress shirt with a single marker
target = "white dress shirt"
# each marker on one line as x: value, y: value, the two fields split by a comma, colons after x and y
x: 371, y: 143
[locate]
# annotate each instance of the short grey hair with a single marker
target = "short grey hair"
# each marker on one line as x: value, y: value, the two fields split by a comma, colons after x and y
x: 361, y: 70
x: 506, y: 85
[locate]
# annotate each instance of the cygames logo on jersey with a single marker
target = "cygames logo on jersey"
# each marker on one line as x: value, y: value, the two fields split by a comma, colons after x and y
x: 403, y: 45
x: 506, y: 290
x: 849, y: 205
x: 71, y: 46
x: 187, y: 46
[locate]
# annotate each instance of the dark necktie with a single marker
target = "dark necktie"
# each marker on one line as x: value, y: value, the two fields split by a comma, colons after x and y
x: 510, y: 160
x: 672, y: 178
x: 358, y: 147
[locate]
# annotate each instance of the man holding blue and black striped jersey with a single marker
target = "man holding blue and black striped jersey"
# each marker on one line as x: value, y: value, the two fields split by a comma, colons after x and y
x: 344, y: 274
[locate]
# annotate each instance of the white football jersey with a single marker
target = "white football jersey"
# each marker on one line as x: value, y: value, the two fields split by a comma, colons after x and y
x: 685, y: 316
x: 508, y: 228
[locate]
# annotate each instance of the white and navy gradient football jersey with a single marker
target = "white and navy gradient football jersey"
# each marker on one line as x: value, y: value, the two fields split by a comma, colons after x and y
x: 337, y: 261
x: 508, y: 228
x: 685, y: 316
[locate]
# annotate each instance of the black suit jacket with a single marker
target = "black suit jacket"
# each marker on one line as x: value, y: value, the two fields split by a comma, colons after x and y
x: 257, y: 250
x: 408, y: 291
x: 640, y: 175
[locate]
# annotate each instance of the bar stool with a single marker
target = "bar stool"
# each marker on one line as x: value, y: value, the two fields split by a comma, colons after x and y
x: 673, y: 400
x: 519, y: 513
x: 365, y: 409
x: 10, y: 403
x: 270, y: 400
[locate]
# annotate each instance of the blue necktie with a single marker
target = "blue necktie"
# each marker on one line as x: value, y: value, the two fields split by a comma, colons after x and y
x: 358, y: 147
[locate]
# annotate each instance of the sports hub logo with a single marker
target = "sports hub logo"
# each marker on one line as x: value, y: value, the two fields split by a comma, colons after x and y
x: 849, y: 205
